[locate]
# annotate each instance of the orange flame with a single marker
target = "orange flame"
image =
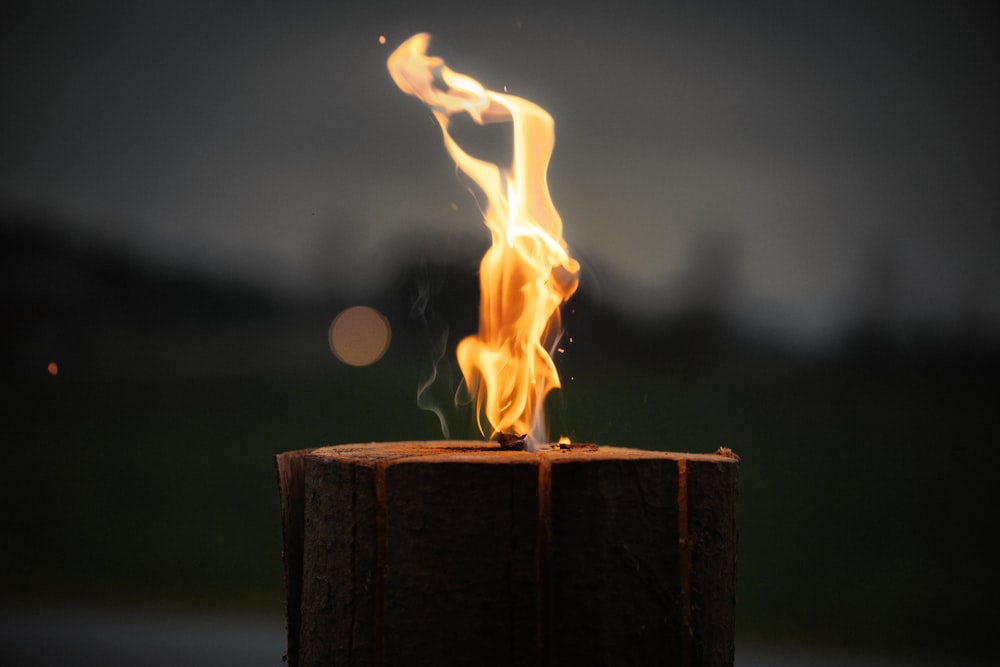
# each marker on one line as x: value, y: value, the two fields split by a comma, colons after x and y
x: 527, y: 273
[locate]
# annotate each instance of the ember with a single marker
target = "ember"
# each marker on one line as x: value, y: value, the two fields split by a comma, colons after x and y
x: 511, y: 441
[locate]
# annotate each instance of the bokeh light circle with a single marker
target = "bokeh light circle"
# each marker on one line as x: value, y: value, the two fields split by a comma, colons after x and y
x: 359, y: 335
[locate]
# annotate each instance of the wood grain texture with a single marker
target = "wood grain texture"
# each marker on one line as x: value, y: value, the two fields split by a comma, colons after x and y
x: 711, y: 490
x: 291, y: 491
x: 460, y: 583
x: 613, y: 575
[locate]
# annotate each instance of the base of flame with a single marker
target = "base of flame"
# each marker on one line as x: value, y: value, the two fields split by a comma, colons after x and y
x: 465, y: 553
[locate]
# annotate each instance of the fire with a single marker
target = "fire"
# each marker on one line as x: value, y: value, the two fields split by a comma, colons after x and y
x: 527, y: 273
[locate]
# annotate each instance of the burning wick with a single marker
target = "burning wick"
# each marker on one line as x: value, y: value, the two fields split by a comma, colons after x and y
x: 510, y: 441
x: 527, y: 273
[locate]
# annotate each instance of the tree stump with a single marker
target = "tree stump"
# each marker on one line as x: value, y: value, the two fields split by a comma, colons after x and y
x: 437, y: 553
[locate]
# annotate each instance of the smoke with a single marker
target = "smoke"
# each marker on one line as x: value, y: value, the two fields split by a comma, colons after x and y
x: 435, y: 382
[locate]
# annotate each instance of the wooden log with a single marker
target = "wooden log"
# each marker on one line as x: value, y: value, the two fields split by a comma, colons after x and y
x: 463, y: 553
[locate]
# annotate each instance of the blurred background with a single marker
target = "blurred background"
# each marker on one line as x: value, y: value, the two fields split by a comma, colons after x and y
x: 787, y: 219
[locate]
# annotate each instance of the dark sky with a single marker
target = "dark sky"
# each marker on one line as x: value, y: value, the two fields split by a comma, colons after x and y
x: 809, y: 153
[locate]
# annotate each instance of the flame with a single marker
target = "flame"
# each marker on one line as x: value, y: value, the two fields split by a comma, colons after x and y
x: 527, y: 273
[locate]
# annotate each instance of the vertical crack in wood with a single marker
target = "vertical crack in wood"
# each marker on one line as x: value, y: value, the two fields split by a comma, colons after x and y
x: 684, y: 540
x: 543, y: 555
x: 381, y: 504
